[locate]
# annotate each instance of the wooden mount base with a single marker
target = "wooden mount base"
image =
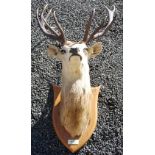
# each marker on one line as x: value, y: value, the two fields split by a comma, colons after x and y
x: 62, y: 134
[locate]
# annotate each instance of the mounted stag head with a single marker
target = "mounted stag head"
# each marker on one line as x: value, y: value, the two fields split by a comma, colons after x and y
x: 76, y: 88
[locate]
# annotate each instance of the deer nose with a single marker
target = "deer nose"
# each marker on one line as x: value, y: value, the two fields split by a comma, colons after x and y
x: 74, y: 50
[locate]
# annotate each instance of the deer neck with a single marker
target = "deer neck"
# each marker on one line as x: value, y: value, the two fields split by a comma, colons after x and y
x: 76, y: 77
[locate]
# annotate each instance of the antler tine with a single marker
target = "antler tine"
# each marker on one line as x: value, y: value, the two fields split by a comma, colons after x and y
x: 48, y: 14
x: 42, y: 14
x: 47, y: 29
x: 48, y: 26
x: 88, y: 25
x: 59, y: 27
x: 101, y: 30
x: 42, y: 24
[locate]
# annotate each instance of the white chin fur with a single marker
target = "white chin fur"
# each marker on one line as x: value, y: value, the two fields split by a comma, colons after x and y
x: 75, y: 60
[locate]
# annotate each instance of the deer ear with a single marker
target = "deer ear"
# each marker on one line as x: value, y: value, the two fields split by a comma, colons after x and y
x: 95, y: 49
x: 53, y: 52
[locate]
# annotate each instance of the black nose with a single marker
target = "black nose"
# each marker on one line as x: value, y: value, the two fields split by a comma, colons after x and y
x: 74, y: 50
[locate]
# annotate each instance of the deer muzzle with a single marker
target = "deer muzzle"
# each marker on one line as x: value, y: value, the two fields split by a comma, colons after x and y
x: 74, y: 52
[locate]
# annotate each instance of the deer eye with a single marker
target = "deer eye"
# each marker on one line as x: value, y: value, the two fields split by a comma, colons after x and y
x: 85, y: 50
x: 63, y: 51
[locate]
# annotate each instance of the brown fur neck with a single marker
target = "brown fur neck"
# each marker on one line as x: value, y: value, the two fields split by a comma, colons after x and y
x: 74, y: 112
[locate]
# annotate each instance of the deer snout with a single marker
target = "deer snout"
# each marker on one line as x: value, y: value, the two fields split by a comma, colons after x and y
x: 74, y: 51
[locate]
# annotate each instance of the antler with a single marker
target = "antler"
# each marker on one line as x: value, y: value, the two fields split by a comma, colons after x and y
x: 100, y: 31
x: 47, y: 29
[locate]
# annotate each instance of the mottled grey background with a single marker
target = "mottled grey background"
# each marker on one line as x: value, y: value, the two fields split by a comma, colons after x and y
x: 105, y: 70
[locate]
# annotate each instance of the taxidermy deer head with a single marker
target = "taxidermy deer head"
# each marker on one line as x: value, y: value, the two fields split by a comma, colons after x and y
x: 76, y: 88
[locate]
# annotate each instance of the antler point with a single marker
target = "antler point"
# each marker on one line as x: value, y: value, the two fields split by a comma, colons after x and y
x: 114, y: 8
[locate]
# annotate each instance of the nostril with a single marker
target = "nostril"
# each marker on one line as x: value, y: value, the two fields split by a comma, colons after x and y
x: 74, y: 50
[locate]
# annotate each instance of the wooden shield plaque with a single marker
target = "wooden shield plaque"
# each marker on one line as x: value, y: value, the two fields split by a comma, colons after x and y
x: 74, y: 144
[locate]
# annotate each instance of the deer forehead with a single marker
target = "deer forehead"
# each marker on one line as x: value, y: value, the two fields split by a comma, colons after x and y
x: 79, y: 46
